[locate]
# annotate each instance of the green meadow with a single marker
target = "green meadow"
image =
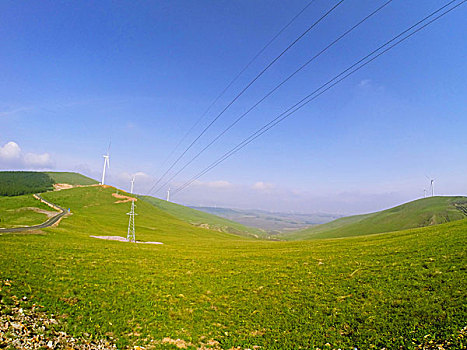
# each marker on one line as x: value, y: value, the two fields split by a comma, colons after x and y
x: 218, y: 290
x: 19, y: 211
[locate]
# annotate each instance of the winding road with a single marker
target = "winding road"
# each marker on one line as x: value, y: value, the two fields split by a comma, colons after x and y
x: 45, y: 224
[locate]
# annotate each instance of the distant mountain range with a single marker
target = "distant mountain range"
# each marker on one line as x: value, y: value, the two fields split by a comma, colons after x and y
x: 271, y: 222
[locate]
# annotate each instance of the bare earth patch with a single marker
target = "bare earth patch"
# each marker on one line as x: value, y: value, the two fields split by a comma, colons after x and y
x: 121, y: 239
x: 58, y: 187
x: 123, y: 198
x: 48, y: 213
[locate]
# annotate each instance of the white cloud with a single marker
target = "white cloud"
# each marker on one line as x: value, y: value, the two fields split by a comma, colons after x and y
x: 214, y: 184
x: 38, y: 160
x: 11, y: 156
x: 263, y: 186
x: 10, y: 151
x: 364, y: 82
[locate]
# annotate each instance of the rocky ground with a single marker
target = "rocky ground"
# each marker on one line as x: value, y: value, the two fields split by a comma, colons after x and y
x: 24, y: 326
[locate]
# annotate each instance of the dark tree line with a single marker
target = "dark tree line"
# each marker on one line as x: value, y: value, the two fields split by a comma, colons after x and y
x: 16, y: 183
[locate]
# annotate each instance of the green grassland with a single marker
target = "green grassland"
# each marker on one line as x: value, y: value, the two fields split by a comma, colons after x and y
x: 15, y: 211
x: 70, y: 178
x: 419, y: 213
x: 395, y: 290
x: 202, y: 219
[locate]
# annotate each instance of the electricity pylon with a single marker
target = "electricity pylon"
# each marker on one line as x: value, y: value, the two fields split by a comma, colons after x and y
x: 131, y: 237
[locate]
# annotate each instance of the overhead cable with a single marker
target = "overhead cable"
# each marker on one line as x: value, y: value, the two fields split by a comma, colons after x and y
x: 246, y: 88
x: 273, y: 90
x: 330, y: 84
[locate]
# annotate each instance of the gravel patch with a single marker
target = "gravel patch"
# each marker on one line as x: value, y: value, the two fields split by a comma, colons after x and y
x: 24, y: 326
x: 122, y: 239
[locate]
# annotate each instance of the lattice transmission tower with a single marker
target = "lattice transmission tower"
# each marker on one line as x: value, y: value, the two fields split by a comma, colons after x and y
x: 131, y: 236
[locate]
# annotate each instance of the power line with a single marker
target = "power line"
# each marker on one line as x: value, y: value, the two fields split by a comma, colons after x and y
x: 246, y: 88
x: 273, y: 90
x: 234, y: 80
x: 330, y: 84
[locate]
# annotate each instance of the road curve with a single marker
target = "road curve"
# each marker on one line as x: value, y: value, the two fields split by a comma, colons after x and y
x: 45, y: 224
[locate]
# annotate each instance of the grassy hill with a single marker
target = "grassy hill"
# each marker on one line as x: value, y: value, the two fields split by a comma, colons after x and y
x: 16, y: 183
x: 202, y: 219
x: 70, y: 178
x: 420, y: 213
x: 212, y: 290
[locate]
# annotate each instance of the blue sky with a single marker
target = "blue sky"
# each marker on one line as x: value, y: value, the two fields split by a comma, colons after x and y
x: 75, y: 74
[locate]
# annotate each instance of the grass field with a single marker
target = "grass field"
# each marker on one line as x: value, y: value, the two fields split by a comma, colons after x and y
x: 16, y: 211
x: 202, y: 219
x: 70, y: 178
x: 419, y: 213
x: 391, y: 291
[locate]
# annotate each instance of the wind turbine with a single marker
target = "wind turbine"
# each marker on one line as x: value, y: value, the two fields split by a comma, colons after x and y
x: 132, y: 184
x: 168, y: 195
x: 424, y: 193
x: 432, y: 186
x: 106, y: 163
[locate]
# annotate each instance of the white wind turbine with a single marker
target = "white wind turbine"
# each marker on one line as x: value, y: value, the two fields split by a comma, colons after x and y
x: 432, y: 185
x: 132, y: 184
x: 106, y: 164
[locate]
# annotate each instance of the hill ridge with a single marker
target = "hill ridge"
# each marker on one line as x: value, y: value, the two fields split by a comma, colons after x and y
x: 418, y: 213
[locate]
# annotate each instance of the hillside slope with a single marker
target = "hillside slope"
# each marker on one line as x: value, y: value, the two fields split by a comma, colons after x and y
x: 202, y: 219
x: 70, y: 178
x: 16, y: 183
x: 96, y: 211
x: 419, y: 213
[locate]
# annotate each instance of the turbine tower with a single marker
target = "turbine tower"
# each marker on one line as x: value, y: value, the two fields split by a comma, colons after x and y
x: 132, y: 184
x: 106, y: 163
x: 168, y: 195
x: 432, y: 186
x: 130, y: 236
x: 424, y: 193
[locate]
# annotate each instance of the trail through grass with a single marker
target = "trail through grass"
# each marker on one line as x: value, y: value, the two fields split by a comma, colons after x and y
x: 19, y: 211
